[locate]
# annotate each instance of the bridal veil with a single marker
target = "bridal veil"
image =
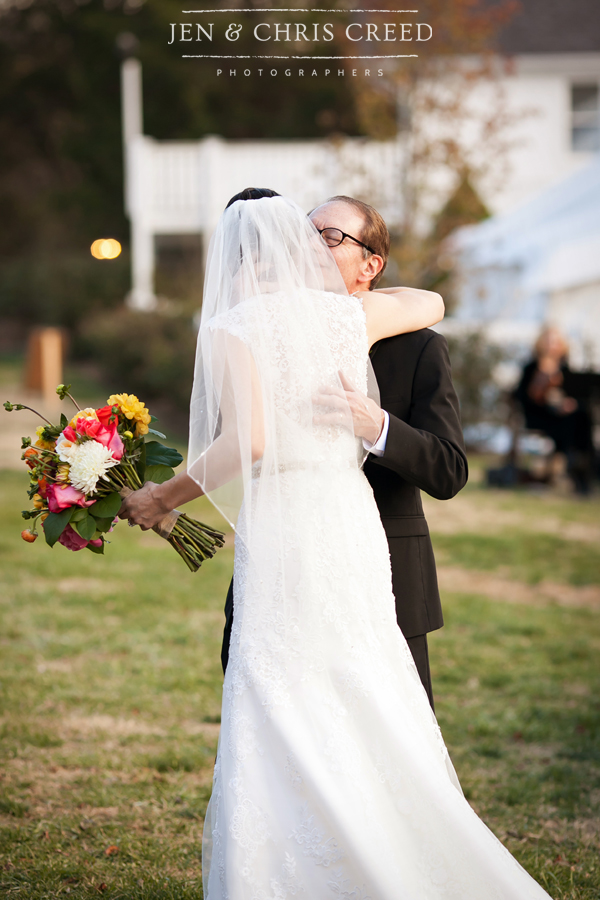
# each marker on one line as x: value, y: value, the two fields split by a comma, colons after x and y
x: 262, y: 335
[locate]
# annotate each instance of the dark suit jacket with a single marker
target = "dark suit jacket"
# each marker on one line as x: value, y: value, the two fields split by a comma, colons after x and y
x: 424, y: 451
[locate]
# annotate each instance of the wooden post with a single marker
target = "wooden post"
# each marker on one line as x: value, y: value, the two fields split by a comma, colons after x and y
x: 45, y: 355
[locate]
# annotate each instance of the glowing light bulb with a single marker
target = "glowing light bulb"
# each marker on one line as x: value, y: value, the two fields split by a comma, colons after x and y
x: 105, y: 248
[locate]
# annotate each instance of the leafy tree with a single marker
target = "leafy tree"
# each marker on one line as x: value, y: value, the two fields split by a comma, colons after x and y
x: 60, y: 126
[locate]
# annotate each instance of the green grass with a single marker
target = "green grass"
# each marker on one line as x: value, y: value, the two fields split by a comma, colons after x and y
x: 110, y: 682
x: 526, y: 556
x: 518, y: 702
x: 111, y: 688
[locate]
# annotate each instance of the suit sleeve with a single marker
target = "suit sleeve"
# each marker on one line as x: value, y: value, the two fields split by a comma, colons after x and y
x: 428, y: 450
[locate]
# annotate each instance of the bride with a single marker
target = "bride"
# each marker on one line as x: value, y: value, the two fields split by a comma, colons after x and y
x: 332, y: 779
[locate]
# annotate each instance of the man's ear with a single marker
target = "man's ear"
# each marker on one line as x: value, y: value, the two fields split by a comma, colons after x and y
x: 370, y: 268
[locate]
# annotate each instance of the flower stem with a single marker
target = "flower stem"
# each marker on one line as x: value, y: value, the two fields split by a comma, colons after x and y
x: 21, y: 406
x: 73, y: 400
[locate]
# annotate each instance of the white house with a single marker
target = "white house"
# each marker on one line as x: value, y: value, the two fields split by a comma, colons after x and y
x: 177, y: 188
x: 550, y: 79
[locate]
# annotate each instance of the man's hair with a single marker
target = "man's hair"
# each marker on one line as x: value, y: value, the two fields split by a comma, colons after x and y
x: 374, y: 232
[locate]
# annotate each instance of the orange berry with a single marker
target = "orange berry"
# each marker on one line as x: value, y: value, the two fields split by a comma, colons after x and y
x: 28, y: 536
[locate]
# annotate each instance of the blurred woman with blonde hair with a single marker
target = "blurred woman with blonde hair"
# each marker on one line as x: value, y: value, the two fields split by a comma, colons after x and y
x: 548, y: 408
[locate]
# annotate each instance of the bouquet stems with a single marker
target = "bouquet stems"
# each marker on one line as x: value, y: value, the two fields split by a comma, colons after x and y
x: 194, y: 541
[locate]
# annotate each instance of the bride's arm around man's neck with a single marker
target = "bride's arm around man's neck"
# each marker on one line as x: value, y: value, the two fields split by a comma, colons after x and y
x: 398, y: 310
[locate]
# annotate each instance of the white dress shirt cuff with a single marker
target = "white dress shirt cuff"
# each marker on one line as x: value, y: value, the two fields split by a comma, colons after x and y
x: 378, y: 448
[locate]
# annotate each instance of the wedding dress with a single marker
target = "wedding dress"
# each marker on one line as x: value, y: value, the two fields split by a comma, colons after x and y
x: 332, y: 779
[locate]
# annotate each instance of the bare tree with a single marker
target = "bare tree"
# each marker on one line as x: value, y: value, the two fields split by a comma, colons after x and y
x: 450, y: 113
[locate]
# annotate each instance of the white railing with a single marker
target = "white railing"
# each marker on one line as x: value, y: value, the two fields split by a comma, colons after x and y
x: 182, y: 187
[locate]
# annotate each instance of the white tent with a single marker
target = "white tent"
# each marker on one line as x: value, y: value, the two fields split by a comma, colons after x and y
x: 539, y: 263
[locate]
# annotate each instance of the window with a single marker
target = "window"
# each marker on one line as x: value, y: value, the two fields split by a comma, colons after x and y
x: 585, y: 118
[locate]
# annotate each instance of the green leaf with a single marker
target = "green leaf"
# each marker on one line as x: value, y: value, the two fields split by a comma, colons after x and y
x: 96, y: 549
x: 63, y: 421
x: 157, y: 433
x: 79, y: 514
x: 159, y: 455
x: 85, y: 527
x: 158, y: 474
x: 141, y: 463
x: 107, y: 506
x: 55, y: 524
x: 104, y: 524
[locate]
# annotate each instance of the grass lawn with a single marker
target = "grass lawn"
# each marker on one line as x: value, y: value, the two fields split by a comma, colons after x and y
x: 110, y: 679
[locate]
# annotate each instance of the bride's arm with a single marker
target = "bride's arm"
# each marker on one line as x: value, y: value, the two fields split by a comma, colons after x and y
x: 240, y: 444
x: 399, y: 310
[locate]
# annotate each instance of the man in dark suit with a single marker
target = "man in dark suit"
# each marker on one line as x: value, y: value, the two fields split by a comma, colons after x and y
x: 414, y: 434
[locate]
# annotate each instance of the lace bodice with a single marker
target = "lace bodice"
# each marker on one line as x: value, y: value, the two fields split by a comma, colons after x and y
x: 294, y: 371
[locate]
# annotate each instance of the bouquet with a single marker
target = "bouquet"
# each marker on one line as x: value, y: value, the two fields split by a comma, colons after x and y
x: 82, y: 469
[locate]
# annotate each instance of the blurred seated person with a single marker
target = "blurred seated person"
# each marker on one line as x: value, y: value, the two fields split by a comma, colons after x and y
x: 547, y: 408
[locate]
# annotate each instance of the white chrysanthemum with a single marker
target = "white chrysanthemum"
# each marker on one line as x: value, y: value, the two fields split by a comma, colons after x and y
x: 89, y: 462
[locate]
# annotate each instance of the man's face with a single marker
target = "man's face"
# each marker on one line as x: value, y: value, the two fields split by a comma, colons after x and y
x: 356, y: 271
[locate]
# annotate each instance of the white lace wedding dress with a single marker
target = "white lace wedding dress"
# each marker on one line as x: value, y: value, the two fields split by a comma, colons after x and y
x: 332, y: 779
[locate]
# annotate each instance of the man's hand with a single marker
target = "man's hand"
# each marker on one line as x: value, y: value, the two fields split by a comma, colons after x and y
x: 144, y: 507
x: 367, y: 416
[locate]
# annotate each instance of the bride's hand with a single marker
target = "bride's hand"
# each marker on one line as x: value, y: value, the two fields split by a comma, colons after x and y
x: 144, y: 507
x: 367, y: 416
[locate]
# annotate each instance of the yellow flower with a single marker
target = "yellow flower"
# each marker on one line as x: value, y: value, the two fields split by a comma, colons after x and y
x: 41, y: 443
x: 87, y: 413
x: 38, y: 503
x: 62, y: 473
x: 133, y: 409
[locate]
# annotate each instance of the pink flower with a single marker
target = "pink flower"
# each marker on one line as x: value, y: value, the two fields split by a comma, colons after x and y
x: 61, y: 496
x: 70, y: 434
x: 73, y: 541
x: 114, y: 442
x: 91, y: 427
x: 104, y: 434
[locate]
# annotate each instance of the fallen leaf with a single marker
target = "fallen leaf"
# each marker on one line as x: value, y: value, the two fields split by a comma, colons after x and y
x: 101, y: 887
x: 112, y: 850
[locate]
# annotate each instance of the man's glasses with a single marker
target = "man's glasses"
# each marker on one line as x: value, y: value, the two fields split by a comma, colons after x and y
x: 333, y: 237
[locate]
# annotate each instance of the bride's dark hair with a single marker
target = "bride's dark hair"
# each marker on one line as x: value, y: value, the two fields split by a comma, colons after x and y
x: 252, y: 194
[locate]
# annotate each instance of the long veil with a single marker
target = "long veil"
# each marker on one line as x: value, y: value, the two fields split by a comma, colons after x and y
x: 264, y: 350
